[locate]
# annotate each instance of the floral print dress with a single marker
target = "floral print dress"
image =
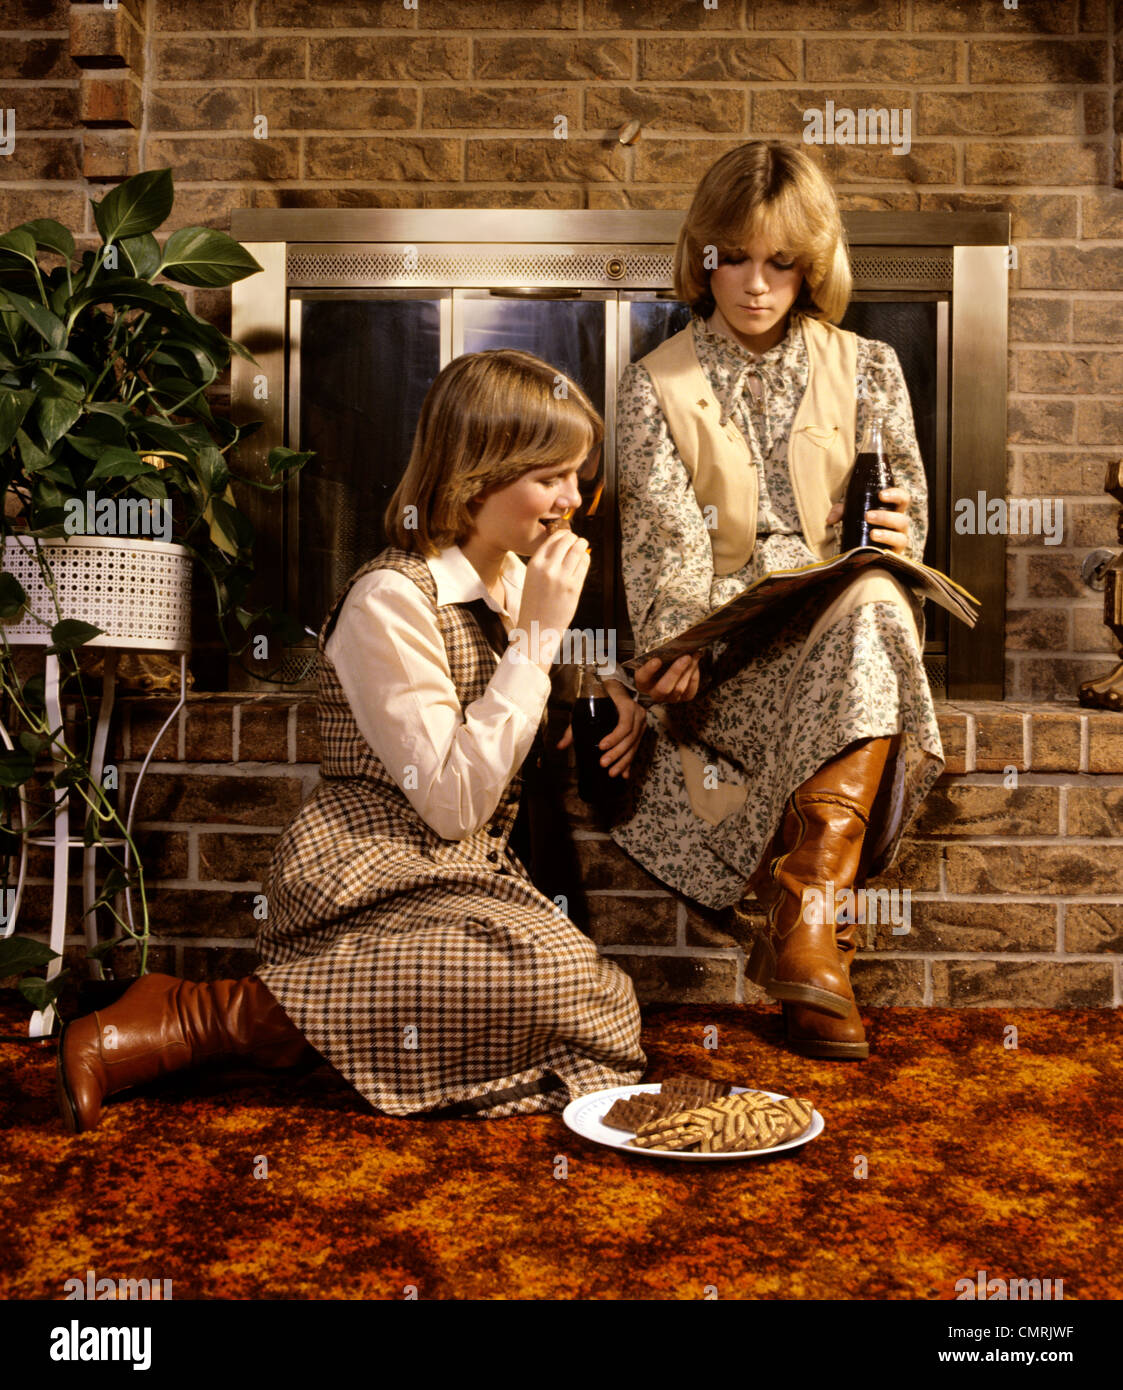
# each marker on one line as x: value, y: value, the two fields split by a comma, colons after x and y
x: 773, y: 711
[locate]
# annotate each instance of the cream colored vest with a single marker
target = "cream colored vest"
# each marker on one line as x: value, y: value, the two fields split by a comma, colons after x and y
x: 821, y: 446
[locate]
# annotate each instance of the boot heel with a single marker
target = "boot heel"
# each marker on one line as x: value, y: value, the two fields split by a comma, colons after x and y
x: 762, y: 963
x: 68, y: 1112
x: 793, y: 993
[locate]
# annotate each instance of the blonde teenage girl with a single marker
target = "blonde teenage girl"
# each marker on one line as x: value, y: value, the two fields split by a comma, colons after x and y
x: 797, y: 759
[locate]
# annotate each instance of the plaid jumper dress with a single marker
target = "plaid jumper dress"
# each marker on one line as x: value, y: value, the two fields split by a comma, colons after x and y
x: 432, y: 973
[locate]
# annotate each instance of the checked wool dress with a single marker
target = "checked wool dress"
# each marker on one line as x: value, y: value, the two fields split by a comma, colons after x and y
x: 431, y: 972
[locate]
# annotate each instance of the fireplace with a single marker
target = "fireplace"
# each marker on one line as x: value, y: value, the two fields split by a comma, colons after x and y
x: 357, y: 311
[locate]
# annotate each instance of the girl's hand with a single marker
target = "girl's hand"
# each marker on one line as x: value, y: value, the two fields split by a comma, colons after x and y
x: 678, y: 682
x: 555, y: 575
x: 891, y: 528
x: 619, y: 747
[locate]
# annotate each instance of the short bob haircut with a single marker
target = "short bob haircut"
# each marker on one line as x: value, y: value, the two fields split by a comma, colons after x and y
x: 488, y: 418
x: 774, y: 190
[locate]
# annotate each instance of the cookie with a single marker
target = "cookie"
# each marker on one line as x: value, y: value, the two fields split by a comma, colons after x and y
x: 694, y: 1087
x: 632, y: 1111
x: 669, y: 1137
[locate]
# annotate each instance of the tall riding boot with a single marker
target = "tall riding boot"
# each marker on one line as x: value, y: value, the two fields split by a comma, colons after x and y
x: 796, y: 958
x: 811, y: 1032
x: 162, y: 1024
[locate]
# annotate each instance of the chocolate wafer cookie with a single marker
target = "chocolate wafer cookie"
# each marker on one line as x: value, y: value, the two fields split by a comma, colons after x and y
x: 693, y: 1087
x: 630, y: 1112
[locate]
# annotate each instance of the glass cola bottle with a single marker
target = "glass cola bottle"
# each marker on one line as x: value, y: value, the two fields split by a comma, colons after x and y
x: 871, y: 474
x: 594, y: 716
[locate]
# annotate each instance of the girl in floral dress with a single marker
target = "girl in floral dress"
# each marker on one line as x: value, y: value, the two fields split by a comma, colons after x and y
x: 794, y: 759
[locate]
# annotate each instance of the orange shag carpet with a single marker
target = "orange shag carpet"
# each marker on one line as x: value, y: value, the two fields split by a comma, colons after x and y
x: 978, y: 1156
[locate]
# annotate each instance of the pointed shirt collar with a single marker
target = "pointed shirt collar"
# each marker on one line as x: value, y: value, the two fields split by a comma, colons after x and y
x: 458, y: 580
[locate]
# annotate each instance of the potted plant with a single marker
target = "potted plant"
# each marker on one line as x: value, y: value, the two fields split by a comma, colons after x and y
x: 104, y: 421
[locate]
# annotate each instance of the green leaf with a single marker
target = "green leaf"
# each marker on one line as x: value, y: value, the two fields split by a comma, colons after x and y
x: 41, y: 994
x: 210, y: 467
x: 188, y: 358
x: 66, y: 359
x: 242, y: 352
x: 20, y: 953
x: 150, y: 485
x: 175, y: 388
x: 53, y: 236
x: 136, y: 206
x: 50, y: 328
x: 222, y: 520
x: 71, y: 633
x: 202, y: 256
x: 118, y: 463
x: 123, y: 290
x: 60, y: 473
x: 33, y: 458
x: 102, y: 433
x: 13, y: 600
x: 16, y: 767
x: 35, y: 692
x: 20, y: 242
x: 282, y: 460
x: 56, y: 412
x: 117, y: 409
x: 143, y: 253
x: 34, y: 743
x: 14, y: 405
x: 156, y: 434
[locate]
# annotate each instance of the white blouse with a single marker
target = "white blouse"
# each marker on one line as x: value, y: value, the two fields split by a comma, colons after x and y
x: 451, y: 763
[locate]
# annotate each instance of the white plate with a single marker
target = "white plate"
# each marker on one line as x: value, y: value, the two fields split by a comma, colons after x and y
x: 584, y: 1116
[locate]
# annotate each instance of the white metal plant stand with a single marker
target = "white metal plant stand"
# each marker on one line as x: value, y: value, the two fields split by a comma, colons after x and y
x: 139, y: 593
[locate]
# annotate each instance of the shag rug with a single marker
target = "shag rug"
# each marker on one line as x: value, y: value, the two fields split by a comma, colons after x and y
x: 947, y: 1153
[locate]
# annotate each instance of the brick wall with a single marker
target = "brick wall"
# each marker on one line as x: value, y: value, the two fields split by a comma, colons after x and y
x: 455, y: 104
x: 1014, y: 866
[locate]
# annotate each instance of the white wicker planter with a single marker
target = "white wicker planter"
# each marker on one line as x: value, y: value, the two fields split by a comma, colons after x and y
x: 137, y: 591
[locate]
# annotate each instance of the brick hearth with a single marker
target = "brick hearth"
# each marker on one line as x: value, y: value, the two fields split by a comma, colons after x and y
x: 1015, y: 865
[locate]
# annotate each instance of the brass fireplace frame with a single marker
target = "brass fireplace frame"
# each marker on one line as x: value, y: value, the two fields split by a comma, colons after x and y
x: 961, y: 257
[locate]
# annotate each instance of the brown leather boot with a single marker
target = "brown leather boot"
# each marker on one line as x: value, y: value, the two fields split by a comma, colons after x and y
x: 796, y: 958
x: 811, y: 1032
x: 162, y: 1024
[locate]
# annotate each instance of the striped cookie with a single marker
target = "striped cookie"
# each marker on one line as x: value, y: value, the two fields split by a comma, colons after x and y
x: 801, y: 1112
x: 672, y: 1137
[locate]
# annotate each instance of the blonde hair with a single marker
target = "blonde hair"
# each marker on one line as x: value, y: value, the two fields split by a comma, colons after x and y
x: 488, y: 418
x: 774, y: 190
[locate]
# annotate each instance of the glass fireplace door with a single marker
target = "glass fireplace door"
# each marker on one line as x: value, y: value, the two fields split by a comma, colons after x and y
x: 361, y: 363
x: 575, y: 331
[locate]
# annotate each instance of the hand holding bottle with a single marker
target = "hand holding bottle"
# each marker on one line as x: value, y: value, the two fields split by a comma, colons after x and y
x: 872, y: 480
x: 888, y: 528
x: 605, y: 731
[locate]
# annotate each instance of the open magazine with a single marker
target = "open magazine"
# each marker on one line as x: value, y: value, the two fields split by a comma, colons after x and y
x: 774, y: 596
